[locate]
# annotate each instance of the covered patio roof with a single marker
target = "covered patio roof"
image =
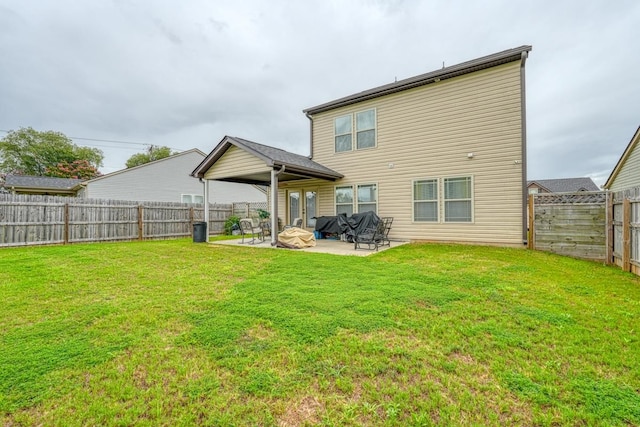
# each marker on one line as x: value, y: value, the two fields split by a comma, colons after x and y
x: 289, y: 166
x: 239, y: 160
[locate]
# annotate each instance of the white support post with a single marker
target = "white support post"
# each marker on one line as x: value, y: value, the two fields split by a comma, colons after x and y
x: 274, y: 207
x: 206, y: 209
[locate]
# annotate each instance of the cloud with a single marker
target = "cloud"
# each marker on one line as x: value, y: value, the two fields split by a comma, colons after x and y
x: 190, y: 72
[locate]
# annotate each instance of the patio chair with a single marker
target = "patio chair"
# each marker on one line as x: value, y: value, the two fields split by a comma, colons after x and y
x: 372, y: 236
x: 387, y: 220
x: 248, y: 230
x: 297, y: 222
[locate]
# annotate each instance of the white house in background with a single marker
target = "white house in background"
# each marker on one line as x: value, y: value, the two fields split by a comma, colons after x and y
x: 168, y: 180
x: 626, y: 173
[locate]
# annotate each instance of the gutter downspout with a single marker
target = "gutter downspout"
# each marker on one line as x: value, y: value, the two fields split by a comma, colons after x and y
x: 310, y: 135
x: 523, y: 109
x: 274, y: 205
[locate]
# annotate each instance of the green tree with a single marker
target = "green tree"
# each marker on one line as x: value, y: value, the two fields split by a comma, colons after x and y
x: 27, y: 151
x: 153, y: 153
x: 78, y: 169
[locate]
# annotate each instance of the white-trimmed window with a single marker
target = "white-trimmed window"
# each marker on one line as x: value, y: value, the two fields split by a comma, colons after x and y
x: 362, y: 124
x: 367, y: 197
x: 458, y: 199
x: 344, y: 200
x: 425, y: 200
x: 366, y: 129
x: 343, y: 130
x: 192, y: 198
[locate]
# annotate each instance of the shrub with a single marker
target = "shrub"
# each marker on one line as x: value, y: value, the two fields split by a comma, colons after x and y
x: 231, y: 223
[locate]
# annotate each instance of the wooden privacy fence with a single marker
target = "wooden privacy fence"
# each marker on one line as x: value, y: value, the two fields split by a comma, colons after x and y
x: 34, y: 220
x: 572, y: 224
x: 624, y: 230
x: 599, y: 226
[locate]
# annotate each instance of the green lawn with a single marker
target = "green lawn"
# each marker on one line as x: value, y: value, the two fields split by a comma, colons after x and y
x: 177, y: 333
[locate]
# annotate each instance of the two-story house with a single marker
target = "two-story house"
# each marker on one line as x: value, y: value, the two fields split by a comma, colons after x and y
x: 443, y: 153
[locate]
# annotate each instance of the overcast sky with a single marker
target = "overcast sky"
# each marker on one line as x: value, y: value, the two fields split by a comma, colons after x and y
x: 186, y: 73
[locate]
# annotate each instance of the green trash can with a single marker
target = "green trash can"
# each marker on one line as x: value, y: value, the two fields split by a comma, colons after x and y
x: 199, y: 232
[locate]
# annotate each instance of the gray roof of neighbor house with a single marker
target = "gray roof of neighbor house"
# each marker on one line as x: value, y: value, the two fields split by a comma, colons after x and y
x: 41, y: 182
x: 565, y: 185
x: 488, y: 61
x: 294, y: 164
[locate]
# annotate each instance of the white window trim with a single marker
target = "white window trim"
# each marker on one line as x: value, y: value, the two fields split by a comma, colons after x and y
x: 353, y: 198
x: 356, y: 202
x: 354, y: 131
x: 471, y: 199
x: 375, y: 129
x: 441, y: 200
x: 335, y: 135
x: 354, y: 191
x: 437, y: 200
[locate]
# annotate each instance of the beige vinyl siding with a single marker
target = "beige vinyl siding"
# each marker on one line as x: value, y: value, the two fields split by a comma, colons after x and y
x: 427, y: 132
x: 628, y: 177
x: 233, y: 161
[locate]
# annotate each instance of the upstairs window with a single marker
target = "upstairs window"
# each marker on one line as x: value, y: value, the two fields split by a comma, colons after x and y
x: 343, y: 129
x: 361, y: 124
x: 366, y: 129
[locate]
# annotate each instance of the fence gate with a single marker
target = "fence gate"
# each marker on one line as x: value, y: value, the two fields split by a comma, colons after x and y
x: 625, y: 230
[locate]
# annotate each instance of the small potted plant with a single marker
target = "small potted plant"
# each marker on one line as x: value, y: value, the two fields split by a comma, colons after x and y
x: 232, y: 225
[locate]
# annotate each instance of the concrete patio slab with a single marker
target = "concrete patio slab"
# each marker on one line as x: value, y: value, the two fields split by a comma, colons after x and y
x: 325, y: 246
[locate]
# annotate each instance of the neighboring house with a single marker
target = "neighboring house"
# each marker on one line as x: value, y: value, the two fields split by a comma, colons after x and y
x: 561, y: 185
x: 43, y: 185
x: 168, y: 180
x: 626, y: 173
x: 443, y: 153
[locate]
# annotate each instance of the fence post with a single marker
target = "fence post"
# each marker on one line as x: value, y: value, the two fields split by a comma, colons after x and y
x: 66, y: 223
x: 610, y: 224
x: 140, y: 223
x: 530, y: 242
x: 626, y: 234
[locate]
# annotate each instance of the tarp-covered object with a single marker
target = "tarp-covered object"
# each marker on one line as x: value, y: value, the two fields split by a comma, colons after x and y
x: 357, y: 223
x: 331, y: 224
x: 295, y: 237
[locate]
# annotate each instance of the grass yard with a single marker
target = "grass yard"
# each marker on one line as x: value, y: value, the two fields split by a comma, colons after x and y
x: 176, y: 333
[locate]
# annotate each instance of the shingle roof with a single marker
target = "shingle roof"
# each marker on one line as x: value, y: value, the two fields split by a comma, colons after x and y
x: 566, y: 185
x: 477, y: 64
x: 41, y: 182
x: 273, y: 157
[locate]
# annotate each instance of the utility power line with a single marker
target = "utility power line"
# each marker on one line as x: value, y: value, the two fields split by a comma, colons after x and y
x: 144, y: 144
